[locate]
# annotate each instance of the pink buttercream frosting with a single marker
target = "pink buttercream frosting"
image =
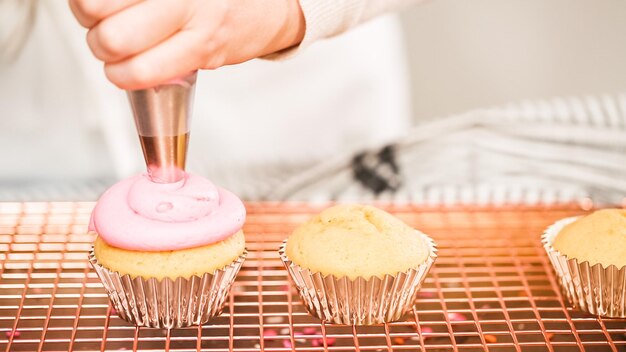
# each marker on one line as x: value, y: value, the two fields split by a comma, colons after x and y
x: 138, y: 214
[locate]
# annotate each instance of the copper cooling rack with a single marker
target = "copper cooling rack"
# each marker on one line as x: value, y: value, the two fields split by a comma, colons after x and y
x: 492, y: 289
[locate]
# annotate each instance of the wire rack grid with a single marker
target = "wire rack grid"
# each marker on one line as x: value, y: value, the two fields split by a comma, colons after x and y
x: 491, y: 289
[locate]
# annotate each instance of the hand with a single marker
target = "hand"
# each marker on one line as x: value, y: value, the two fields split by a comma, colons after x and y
x: 146, y: 42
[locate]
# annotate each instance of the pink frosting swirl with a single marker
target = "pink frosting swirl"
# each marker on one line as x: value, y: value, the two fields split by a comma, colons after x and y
x: 138, y: 214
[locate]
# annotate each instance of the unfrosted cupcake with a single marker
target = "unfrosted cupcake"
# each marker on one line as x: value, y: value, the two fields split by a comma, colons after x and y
x: 356, y: 264
x: 589, y: 256
x: 167, y: 254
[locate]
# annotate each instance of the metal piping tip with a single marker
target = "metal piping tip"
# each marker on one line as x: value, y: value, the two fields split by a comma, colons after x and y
x: 162, y: 117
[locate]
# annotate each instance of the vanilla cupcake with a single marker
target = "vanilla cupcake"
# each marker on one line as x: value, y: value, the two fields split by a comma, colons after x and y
x: 355, y: 264
x: 167, y: 254
x: 589, y: 256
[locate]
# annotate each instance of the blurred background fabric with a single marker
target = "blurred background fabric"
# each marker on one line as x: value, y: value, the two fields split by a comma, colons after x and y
x: 442, y: 67
x: 533, y: 152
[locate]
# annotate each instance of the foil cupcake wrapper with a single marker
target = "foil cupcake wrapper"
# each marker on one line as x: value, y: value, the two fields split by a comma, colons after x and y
x: 168, y: 303
x: 340, y: 300
x: 592, y: 288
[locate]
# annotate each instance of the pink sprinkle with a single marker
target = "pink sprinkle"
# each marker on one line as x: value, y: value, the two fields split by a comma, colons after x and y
x: 425, y: 294
x: 309, y: 331
x: 426, y: 330
x: 15, y: 334
x: 330, y: 341
x: 285, y: 288
x: 269, y: 333
x: 113, y: 311
x: 287, y: 344
x: 456, y: 317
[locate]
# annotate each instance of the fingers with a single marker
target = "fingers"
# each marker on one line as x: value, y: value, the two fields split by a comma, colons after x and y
x: 136, y: 29
x: 182, y: 53
x: 90, y: 12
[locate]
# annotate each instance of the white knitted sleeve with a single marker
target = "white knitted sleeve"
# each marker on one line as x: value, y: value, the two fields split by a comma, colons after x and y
x: 327, y: 18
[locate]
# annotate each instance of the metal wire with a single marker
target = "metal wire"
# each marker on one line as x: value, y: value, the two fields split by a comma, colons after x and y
x: 492, y: 289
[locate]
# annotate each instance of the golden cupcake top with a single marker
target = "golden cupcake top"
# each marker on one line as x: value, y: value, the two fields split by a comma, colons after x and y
x: 356, y: 241
x: 170, y: 264
x: 599, y: 237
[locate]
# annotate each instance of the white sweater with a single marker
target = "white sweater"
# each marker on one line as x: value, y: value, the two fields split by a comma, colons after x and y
x: 328, y: 18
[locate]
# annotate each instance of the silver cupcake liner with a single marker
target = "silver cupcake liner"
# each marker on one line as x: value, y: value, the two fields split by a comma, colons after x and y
x: 168, y: 303
x: 340, y: 300
x: 592, y: 288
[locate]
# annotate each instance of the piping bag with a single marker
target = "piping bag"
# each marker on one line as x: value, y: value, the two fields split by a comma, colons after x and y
x: 162, y: 117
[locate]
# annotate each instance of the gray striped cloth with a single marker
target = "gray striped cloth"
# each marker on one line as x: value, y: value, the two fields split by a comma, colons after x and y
x: 559, y: 150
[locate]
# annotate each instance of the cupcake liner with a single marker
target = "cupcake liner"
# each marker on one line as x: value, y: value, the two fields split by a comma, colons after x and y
x: 340, y: 300
x: 168, y: 303
x: 592, y: 288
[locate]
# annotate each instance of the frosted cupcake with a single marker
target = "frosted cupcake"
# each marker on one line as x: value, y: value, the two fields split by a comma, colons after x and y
x: 589, y: 256
x: 355, y: 264
x: 167, y: 254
